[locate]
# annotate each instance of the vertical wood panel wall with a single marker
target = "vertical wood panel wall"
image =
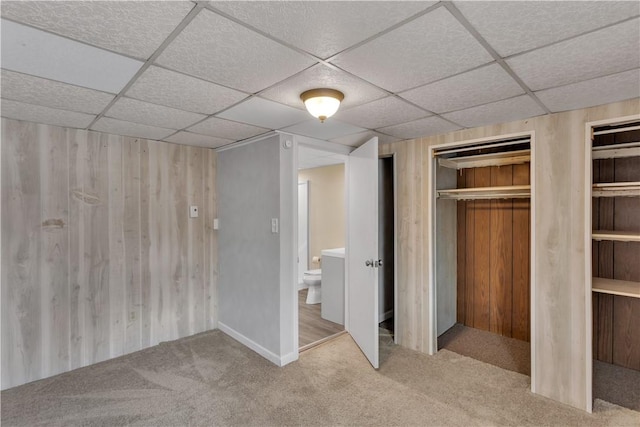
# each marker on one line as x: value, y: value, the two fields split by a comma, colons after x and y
x: 99, y: 256
x: 560, y: 309
x: 493, y: 255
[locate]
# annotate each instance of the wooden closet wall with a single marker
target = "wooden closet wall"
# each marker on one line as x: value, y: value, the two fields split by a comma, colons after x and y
x: 616, y: 319
x: 493, y: 254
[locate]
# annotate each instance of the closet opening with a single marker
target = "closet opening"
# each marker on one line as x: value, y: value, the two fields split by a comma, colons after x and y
x: 481, y: 199
x: 386, y: 248
x: 613, y: 157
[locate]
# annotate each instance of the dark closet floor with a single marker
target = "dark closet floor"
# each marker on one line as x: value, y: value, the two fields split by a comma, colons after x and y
x: 506, y: 353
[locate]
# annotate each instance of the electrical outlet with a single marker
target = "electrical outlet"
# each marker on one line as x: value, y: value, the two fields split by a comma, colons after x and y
x: 193, y: 212
x: 274, y: 225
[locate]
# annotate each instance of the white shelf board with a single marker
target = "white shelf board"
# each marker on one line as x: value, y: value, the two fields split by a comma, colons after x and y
x: 613, y: 152
x: 616, y: 287
x: 506, y: 192
x: 616, y: 189
x: 483, y: 160
x: 618, y: 236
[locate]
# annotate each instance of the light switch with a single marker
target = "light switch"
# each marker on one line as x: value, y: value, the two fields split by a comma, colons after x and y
x: 193, y: 212
x: 274, y: 225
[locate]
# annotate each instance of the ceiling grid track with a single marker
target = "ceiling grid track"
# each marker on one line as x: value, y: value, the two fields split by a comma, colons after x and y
x: 185, y: 21
x: 467, y: 25
x: 424, y: 97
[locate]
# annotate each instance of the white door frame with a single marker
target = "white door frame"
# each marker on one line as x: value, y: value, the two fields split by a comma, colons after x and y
x: 431, y: 248
x: 330, y: 148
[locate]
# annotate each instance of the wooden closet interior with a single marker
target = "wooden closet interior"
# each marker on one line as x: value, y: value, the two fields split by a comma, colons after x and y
x: 491, y: 200
x: 615, y: 154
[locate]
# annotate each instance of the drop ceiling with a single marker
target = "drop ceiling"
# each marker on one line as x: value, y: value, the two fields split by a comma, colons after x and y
x: 212, y: 73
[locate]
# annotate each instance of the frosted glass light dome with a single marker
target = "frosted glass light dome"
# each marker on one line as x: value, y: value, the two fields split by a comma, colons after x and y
x: 322, y: 103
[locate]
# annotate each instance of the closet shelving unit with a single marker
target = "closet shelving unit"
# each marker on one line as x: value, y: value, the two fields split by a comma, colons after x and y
x: 467, y: 158
x: 481, y: 242
x: 616, y: 189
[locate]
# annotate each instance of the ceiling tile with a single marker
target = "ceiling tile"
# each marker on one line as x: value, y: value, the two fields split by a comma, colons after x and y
x: 322, y: 28
x: 49, y: 93
x: 331, y: 128
x: 42, y: 54
x: 183, y: 92
x: 145, y: 113
x: 515, y: 26
x: 420, y: 128
x: 227, y: 129
x: 480, y: 86
x: 355, y: 91
x: 520, y: 107
x: 360, y: 138
x: 130, y: 27
x: 429, y: 48
x: 602, y: 52
x: 263, y: 113
x: 219, y: 50
x: 120, y: 127
x: 602, y: 90
x: 50, y: 116
x: 383, y: 112
x: 189, y: 138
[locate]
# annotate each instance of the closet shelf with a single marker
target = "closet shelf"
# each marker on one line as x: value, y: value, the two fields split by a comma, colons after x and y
x: 482, y: 160
x: 615, y: 151
x: 619, y: 236
x: 616, y: 189
x: 479, y: 193
x: 616, y: 287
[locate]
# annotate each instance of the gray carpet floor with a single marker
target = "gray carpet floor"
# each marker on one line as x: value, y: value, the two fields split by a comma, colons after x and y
x: 210, y: 379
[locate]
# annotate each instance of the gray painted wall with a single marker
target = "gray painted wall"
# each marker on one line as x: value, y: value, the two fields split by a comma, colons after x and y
x: 250, y: 281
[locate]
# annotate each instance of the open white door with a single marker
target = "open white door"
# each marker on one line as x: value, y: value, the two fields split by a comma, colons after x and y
x: 362, y: 248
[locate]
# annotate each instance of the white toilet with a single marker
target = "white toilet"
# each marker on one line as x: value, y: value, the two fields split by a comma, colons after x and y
x: 312, y: 278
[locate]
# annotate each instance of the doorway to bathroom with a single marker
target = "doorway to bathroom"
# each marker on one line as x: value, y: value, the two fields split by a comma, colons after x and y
x: 321, y: 245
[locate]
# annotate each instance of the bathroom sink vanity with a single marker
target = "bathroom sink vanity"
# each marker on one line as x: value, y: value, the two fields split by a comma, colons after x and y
x: 333, y: 285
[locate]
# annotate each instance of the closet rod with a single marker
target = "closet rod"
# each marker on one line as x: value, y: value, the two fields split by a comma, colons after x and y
x: 611, y: 146
x: 616, y: 189
x: 616, y: 130
x: 480, y: 147
x: 616, y: 153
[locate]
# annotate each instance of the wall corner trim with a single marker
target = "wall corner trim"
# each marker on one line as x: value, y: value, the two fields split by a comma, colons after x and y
x: 288, y: 358
x: 269, y: 355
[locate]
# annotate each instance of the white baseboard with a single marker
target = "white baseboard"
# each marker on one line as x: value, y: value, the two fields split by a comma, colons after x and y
x: 384, y: 316
x: 269, y: 355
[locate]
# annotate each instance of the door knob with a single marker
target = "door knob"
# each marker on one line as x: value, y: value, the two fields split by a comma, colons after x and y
x: 378, y: 263
x: 369, y: 263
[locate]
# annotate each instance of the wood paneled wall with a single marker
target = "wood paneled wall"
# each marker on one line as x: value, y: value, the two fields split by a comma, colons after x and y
x: 616, y: 319
x: 560, y: 368
x: 99, y: 256
x: 493, y: 254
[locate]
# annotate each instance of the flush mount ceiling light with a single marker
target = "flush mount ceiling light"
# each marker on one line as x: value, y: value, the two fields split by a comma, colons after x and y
x: 322, y: 103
